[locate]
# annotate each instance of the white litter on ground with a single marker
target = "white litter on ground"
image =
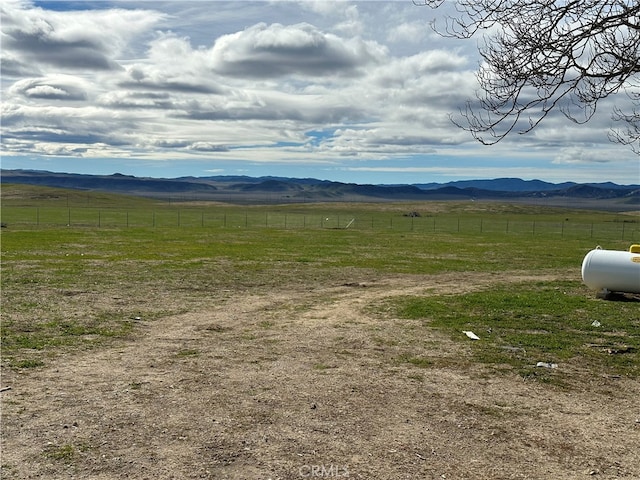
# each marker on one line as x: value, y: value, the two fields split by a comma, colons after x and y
x: 471, y: 335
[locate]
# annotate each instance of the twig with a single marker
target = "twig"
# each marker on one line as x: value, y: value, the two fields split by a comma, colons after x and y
x: 4, y: 389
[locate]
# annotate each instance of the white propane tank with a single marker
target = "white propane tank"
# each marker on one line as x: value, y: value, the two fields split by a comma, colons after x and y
x: 612, y: 270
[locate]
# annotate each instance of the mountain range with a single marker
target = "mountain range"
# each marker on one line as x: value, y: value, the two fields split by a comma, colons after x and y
x: 244, y: 189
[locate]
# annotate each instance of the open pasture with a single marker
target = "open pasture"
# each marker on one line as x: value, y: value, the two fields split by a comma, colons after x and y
x: 151, y: 340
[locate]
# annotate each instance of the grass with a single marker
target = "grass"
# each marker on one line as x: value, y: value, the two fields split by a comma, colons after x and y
x: 189, y: 352
x: 421, y: 362
x: 520, y: 325
x: 66, y: 453
x: 29, y: 364
x: 74, y: 287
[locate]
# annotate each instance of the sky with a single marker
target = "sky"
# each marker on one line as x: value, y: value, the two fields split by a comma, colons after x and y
x: 359, y: 92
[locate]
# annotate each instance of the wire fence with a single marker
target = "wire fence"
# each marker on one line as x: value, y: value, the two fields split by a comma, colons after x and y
x: 47, y: 217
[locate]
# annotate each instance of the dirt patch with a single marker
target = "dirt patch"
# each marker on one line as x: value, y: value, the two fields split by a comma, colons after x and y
x: 305, y: 383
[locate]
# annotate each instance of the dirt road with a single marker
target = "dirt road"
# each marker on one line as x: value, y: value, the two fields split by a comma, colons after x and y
x: 309, y: 382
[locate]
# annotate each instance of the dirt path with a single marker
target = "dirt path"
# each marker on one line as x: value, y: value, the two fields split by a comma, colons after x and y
x: 305, y: 383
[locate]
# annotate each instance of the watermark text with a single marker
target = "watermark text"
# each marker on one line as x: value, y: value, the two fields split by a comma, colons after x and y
x: 324, y: 471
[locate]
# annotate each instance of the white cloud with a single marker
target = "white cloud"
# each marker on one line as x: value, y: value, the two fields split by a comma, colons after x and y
x: 52, y: 87
x: 73, y: 40
x: 578, y: 155
x: 200, y: 80
x: 277, y: 50
x: 327, y: 7
x: 411, y: 32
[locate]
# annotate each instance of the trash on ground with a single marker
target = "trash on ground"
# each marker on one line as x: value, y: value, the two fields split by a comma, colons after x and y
x: 547, y: 365
x: 595, y: 323
x: 471, y: 335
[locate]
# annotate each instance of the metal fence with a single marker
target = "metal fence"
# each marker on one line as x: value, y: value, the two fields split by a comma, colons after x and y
x: 46, y: 217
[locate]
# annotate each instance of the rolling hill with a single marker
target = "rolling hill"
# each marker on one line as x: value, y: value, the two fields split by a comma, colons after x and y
x: 241, y: 189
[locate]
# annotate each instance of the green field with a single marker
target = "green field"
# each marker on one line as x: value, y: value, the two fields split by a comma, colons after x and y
x: 136, y: 253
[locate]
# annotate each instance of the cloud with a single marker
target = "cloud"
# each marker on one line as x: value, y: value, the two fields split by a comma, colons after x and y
x: 347, y: 14
x: 52, y: 87
x: 171, y: 65
x: 11, y: 66
x: 577, y: 155
x: 384, y: 141
x: 79, y: 126
x: 411, y: 32
x: 136, y: 100
x: 255, y: 83
x: 277, y: 50
x: 273, y: 106
x: 72, y: 40
x: 208, y: 147
x: 327, y: 7
x: 157, y: 80
x: 429, y: 84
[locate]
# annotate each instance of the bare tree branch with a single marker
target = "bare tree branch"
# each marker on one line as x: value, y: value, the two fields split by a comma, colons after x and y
x: 629, y: 133
x: 539, y: 56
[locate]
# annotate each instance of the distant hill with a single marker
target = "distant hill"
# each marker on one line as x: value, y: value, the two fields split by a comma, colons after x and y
x: 242, y: 189
x: 517, y: 185
x: 109, y: 183
x: 503, y: 185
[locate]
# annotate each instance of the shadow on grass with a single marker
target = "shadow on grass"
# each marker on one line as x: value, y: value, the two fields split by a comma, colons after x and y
x: 621, y: 297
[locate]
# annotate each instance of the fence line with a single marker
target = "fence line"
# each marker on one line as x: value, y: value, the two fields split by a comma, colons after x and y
x: 43, y: 217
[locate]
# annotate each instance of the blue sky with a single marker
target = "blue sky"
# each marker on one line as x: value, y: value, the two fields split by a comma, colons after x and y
x: 348, y: 91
